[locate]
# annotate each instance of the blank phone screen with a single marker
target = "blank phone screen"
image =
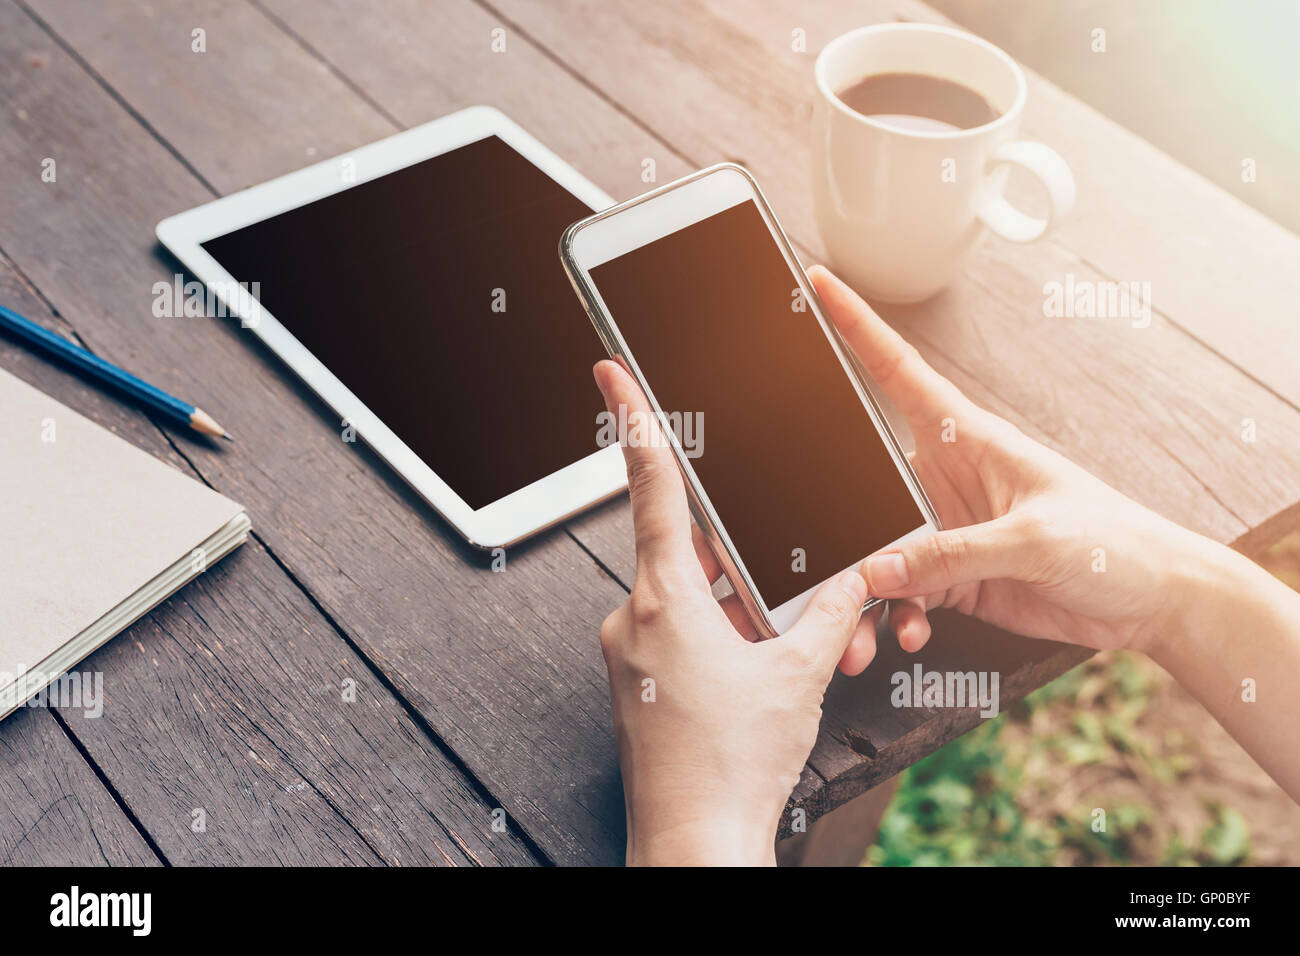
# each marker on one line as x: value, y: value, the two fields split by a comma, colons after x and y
x: 789, y: 457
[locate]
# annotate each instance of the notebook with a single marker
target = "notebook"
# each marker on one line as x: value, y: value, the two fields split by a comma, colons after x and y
x: 94, y: 533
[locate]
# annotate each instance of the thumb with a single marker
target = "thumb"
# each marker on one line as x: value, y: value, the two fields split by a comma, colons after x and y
x: 827, y: 624
x: 978, y: 552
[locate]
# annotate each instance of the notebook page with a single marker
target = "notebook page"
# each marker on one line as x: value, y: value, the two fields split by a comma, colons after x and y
x: 86, y: 520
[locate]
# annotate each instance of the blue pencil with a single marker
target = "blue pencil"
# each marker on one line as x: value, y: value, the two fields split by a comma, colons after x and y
x: 155, y: 399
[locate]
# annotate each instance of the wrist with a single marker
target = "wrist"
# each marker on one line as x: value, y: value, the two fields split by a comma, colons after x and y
x: 685, y: 819
x: 1207, y: 584
x: 704, y: 842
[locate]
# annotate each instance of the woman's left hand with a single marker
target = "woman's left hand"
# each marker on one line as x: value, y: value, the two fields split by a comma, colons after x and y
x: 713, y: 728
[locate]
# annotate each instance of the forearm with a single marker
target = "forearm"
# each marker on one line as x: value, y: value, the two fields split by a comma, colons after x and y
x: 1234, y: 644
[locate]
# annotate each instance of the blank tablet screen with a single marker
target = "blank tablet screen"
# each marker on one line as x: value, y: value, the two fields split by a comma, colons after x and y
x: 436, y: 295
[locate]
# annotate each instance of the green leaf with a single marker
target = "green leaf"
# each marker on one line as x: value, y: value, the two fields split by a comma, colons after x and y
x: 1226, y: 840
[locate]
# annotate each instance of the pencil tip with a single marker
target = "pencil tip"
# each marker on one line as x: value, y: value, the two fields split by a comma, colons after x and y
x: 205, y: 423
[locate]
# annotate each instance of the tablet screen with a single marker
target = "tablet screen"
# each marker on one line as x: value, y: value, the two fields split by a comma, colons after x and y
x: 436, y: 295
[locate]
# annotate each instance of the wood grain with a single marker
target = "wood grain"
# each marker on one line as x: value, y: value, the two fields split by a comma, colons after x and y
x: 605, y: 532
x: 1098, y: 390
x: 1213, y: 262
x: 1190, y: 437
x: 229, y: 698
x: 504, y: 667
x: 1150, y: 410
x: 54, y: 811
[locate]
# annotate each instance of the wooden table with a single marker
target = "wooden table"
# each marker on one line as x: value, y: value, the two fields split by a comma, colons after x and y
x: 474, y: 690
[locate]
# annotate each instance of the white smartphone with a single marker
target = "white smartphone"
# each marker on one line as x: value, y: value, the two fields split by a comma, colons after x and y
x: 791, y: 468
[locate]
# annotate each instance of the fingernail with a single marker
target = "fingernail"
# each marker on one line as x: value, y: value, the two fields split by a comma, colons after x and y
x: 854, y: 586
x: 886, y: 572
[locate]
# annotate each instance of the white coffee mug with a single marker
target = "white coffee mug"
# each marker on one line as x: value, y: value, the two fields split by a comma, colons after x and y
x: 899, y: 208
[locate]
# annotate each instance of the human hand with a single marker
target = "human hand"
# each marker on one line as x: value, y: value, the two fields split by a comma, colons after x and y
x: 713, y: 728
x: 1037, y: 545
x: 1033, y: 543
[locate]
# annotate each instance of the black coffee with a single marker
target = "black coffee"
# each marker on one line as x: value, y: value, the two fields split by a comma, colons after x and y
x: 917, y: 101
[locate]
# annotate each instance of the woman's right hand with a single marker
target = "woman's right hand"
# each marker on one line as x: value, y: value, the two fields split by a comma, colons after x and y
x: 1038, y: 546
x: 1033, y: 543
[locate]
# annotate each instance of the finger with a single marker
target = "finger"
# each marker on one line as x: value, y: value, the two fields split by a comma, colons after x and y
x: 830, y: 619
x: 893, y: 364
x: 735, y: 610
x: 659, y: 510
x: 909, y: 623
x: 862, y: 646
x: 709, y: 563
x: 980, y: 552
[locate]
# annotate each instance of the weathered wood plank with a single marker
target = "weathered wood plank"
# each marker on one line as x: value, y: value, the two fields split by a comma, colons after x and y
x: 1214, y: 262
x: 1096, y: 389
x: 504, y: 667
x: 421, y: 60
x: 611, y: 153
x: 229, y: 698
x: 1162, y: 421
x: 293, y: 752
x: 1107, y: 157
x: 865, y: 740
x: 54, y: 811
x: 606, y: 532
x: 536, y: 104
x: 1148, y: 409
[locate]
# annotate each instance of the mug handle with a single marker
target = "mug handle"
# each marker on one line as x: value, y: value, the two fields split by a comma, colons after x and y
x: 1048, y: 168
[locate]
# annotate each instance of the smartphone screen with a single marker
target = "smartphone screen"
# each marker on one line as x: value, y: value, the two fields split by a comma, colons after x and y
x: 787, y: 453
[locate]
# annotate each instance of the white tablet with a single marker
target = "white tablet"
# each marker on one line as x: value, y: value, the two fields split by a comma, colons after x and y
x: 414, y: 284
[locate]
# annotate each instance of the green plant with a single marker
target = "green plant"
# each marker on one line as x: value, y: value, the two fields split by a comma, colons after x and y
x: 958, y: 807
x: 1026, y: 788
